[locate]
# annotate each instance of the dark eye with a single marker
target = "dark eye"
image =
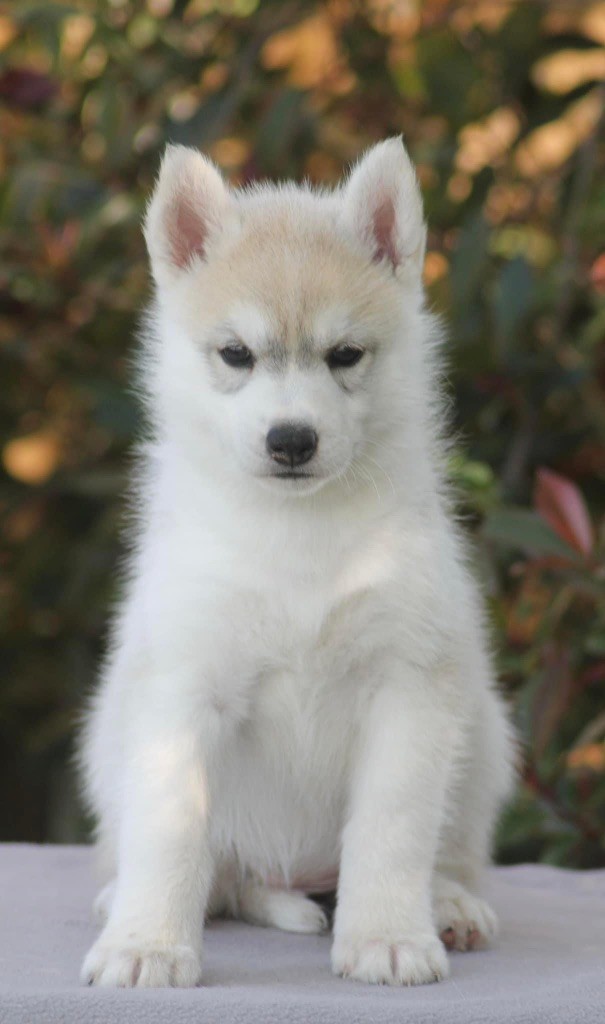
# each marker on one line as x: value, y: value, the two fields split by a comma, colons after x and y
x: 237, y: 355
x: 343, y: 356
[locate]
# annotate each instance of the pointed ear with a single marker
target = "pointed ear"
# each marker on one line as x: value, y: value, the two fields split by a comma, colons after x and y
x: 189, y: 208
x: 383, y: 207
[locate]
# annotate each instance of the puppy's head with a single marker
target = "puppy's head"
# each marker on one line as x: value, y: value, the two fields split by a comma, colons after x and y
x: 285, y: 315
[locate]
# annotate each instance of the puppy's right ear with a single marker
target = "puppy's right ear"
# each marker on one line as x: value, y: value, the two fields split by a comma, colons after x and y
x: 190, y: 207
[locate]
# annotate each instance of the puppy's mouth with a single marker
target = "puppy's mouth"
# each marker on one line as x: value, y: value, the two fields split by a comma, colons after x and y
x: 292, y: 482
x: 292, y: 474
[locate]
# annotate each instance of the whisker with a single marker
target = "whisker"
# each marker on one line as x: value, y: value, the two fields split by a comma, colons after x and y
x: 369, y: 478
x: 383, y: 470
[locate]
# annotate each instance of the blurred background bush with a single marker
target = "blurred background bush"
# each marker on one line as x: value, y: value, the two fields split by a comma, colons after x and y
x: 502, y: 106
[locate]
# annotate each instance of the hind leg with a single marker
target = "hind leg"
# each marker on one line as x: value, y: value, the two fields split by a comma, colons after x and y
x: 251, y: 900
x: 464, y: 920
x: 280, y: 908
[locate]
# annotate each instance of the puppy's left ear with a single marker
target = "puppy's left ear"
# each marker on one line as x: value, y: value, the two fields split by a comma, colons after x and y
x: 383, y: 207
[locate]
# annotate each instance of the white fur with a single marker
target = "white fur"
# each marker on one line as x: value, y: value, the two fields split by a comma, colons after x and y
x: 298, y: 682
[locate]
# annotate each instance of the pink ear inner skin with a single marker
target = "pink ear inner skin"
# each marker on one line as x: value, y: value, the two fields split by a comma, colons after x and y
x: 186, y: 232
x: 384, y: 233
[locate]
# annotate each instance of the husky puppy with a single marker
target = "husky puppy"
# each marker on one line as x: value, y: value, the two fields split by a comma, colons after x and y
x: 298, y: 691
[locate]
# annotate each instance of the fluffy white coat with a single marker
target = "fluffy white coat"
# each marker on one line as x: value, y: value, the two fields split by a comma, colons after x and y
x: 298, y: 686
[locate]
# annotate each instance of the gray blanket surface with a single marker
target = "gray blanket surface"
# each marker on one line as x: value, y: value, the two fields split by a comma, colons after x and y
x: 548, y: 966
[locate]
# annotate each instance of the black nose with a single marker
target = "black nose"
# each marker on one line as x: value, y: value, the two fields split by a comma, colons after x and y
x: 291, y: 444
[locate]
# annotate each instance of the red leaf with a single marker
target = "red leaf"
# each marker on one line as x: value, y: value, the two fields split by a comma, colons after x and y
x: 561, y: 504
x: 597, y: 274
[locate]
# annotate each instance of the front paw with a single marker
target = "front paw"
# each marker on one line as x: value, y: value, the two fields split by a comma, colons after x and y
x: 133, y: 964
x: 400, y: 960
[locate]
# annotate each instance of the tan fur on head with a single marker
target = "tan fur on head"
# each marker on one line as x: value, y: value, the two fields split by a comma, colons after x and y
x: 379, y: 207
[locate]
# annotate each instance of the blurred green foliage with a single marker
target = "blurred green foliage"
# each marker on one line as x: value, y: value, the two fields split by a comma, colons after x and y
x: 502, y: 107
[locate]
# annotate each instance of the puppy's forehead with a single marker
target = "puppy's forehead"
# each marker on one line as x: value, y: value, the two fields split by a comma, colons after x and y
x: 279, y: 330
x: 295, y: 274
x: 289, y: 280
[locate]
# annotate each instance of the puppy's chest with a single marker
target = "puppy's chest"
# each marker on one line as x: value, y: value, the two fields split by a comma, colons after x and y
x: 312, y: 639
x: 314, y: 666
x: 313, y: 631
